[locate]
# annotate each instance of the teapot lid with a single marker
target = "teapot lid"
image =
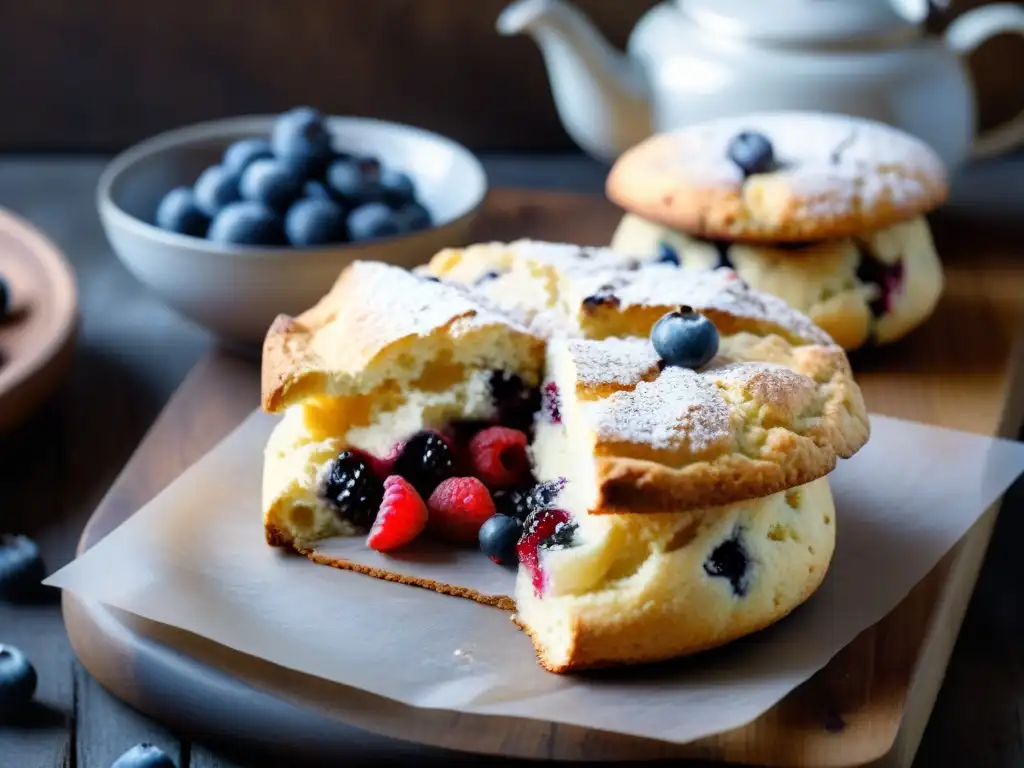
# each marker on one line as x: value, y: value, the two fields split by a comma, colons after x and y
x: 802, y: 21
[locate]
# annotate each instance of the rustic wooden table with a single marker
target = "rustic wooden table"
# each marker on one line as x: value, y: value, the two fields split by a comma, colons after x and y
x: 134, y: 353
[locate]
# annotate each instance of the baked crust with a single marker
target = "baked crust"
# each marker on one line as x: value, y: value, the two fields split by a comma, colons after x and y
x: 839, y: 176
x: 363, y: 332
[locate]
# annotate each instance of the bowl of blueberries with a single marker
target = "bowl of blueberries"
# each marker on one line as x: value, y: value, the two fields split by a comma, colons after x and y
x: 234, y: 221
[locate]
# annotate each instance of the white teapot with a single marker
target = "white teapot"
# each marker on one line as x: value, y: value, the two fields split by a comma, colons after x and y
x: 688, y: 61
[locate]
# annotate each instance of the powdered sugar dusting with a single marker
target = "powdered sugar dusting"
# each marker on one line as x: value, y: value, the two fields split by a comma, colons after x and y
x: 834, y: 161
x: 768, y: 383
x: 379, y: 303
x: 621, y: 362
x: 661, y: 285
x: 569, y: 258
x: 680, y: 409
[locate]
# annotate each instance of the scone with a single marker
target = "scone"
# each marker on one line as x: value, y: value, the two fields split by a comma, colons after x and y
x: 674, y: 494
x: 647, y: 551
x: 824, y: 211
x: 385, y: 356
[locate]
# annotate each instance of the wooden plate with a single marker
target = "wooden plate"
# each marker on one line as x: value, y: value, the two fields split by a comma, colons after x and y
x: 37, y: 339
x: 867, y: 707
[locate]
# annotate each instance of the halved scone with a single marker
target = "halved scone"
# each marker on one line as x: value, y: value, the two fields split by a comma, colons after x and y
x: 601, y: 590
x: 385, y: 355
x: 631, y: 434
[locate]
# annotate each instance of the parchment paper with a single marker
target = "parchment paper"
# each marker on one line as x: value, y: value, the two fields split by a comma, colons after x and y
x: 195, y: 558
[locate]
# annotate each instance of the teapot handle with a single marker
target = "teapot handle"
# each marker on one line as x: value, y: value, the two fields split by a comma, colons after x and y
x: 969, y: 32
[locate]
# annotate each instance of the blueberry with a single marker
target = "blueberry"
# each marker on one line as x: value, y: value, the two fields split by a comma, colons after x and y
x: 272, y: 183
x: 729, y: 560
x: 752, y: 152
x: 215, y: 188
x: 144, y: 756
x: 315, y: 222
x: 498, y: 538
x: 413, y: 217
x: 178, y: 212
x: 239, y: 155
x: 371, y: 221
x: 5, y: 297
x: 352, y: 490
x: 399, y: 189
x: 667, y: 254
x: 355, y: 182
x: 685, y: 338
x: 17, y: 681
x: 314, y: 190
x: 21, y: 567
x: 300, y: 138
x: 247, y: 223
x: 425, y: 461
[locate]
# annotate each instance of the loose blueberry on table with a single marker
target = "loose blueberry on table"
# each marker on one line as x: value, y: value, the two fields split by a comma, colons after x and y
x: 294, y: 188
x: 21, y: 567
x: 5, y: 298
x: 144, y: 756
x: 17, y: 682
x: 685, y: 339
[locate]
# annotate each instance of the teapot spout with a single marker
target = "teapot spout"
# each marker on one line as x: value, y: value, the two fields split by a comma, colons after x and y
x: 602, y: 97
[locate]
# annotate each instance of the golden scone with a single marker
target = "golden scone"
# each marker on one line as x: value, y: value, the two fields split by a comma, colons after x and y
x: 606, y: 590
x: 674, y: 509
x: 833, y: 176
x: 384, y: 355
x: 823, y: 211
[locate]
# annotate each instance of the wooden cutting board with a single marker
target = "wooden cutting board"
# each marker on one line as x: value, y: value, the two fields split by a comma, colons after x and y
x: 869, y: 706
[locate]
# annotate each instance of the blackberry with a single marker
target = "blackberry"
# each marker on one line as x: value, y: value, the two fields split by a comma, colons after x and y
x: 523, y: 502
x: 425, y: 461
x: 352, y: 490
x: 729, y: 560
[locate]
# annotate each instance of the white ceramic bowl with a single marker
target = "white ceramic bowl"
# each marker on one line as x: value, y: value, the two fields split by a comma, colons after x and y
x: 236, y: 291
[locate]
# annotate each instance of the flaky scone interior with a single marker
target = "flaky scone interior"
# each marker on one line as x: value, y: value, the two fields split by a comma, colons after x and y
x: 384, y: 355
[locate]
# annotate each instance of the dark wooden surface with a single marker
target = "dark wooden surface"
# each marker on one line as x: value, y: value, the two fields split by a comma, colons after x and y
x: 102, y: 74
x: 56, y: 469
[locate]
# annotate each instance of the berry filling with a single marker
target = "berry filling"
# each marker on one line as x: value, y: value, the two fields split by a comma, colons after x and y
x: 545, y: 530
x: 425, y: 460
x: 729, y: 560
x: 515, y: 402
x: 888, y: 278
x: 551, y: 403
x: 498, y: 456
x: 352, y: 490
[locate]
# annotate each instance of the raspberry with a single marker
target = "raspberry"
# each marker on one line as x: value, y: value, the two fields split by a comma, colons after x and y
x: 458, y: 507
x: 402, y: 516
x: 499, y: 457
